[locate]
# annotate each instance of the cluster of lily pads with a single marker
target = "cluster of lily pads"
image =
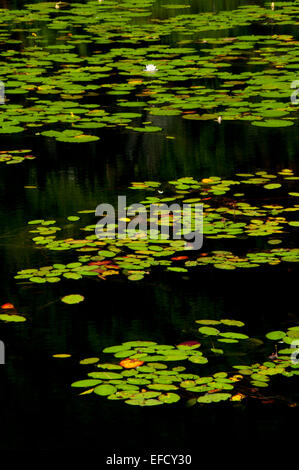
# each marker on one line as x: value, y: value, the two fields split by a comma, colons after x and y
x: 145, y: 373
x: 15, y: 156
x: 8, y: 313
x: 226, y: 216
x: 102, y: 64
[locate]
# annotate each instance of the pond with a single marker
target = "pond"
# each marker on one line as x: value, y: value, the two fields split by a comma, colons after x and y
x: 164, y: 103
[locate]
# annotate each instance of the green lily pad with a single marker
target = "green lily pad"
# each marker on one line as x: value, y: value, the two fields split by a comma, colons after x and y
x: 232, y: 335
x: 89, y: 360
x: 214, y: 397
x: 276, y: 335
x: 210, y: 331
x: 72, y: 299
x: 86, y: 383
x: 169, y: 398
x: 104, y: 390
x: 273, y: 123
x: 272, y: 186
x: 12, y: 318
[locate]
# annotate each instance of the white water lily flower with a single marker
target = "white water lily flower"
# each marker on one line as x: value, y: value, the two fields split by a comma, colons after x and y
x: 150, y: 68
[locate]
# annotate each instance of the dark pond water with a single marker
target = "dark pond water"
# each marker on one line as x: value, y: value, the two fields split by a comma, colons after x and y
x: 39, y: 411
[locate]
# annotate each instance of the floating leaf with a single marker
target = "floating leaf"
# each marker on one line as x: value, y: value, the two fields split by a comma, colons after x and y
x: 104, y: 390
x: 272, y: 186
x: 72, y: 299
x: 276, y: 335
x: 61, y: 356
x: 232, y: 335
x: 156, y: 386
x: 214, y: 397
x: 232, y: 322
x: 208, y: 322
x: 206, y: 330
x: 105, y: 375
x: 86, y: 383
x: 89, y: 360
x: 273, y: 123
x: 140, y: 402
x: 12, y: 318
x: 169, y: 398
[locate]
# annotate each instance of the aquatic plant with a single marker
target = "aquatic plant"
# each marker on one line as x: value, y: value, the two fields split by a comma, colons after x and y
x: 56, y: 91
x: 150, y: 68
x: 154, y: 374
x: 229, y: 214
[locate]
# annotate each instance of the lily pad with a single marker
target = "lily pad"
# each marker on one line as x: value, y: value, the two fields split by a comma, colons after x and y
x: 72, y: 299
x: 104, y: 390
